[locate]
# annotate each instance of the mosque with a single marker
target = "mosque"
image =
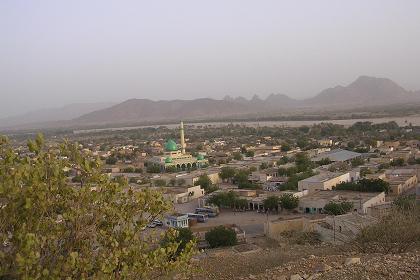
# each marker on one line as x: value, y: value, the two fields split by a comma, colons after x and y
x: 176, y: 158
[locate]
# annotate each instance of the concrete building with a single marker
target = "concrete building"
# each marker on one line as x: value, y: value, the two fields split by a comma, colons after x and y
x: 183, y: 195
x: 401, y: 180
x: 177, y: 220
x: 337, y: 155
x: 314, y: 203
x: 324, y: 181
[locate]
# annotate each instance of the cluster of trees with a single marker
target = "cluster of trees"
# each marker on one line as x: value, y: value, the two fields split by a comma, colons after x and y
x: 285, y: 201
x: 205, y: 182
x: 292, y: 183
x: 53, y: 230
x: 365, y: 185
x: 221, y: 237
x: 132, y: 170
x: 228, y: 200
x: 338, y: 208
x: 238, y: 176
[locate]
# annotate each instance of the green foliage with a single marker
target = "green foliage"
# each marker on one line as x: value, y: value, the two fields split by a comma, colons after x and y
x: 283, y: 160
x: 53, y: 230
x: 160, y: 183
x: 184, y: 237
x: 285, y: 147
x: 263, y: 166
x: 129, y: 170
x: 357, y: 161
x: 324, y: 161
x: 365, y: 185
x: 111, y: 160
x: 338, y: 208
x: 169, y: 169
x: 227, y: 200
x: 241, y: 176
x: 227, y: 173
x: 172, y: 182
x: 271, y: 203
x: 238, y: 156
x: 398, y: 162
x: 250, y: 153
x: 221, y: 237
x: 153, y: 168
x: 405, y: 202
x: 289, y: 201
x: 292, y: 183
x: 205, y: 182
x: 303, y: 163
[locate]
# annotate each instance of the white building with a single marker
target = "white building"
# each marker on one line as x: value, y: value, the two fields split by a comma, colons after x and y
x: 177, y: 221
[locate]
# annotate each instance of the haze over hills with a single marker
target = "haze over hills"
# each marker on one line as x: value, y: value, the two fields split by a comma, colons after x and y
x: 363, y: 92
x: 67, y: 112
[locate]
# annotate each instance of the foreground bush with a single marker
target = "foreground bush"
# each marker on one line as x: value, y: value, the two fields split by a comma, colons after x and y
x: 221, y: 236
x: 396, y: 233
x: 52, y: 229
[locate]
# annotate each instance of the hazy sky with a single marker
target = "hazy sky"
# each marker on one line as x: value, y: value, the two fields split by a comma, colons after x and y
x: 59, y: 52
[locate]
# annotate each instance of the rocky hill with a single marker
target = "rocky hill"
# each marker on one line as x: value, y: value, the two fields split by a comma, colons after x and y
x: 363, y: 92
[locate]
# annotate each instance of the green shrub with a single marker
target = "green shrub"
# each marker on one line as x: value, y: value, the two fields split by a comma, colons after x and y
x: 221, y: 236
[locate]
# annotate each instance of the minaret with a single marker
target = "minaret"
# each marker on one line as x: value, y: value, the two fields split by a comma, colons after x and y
x: 181, y: 131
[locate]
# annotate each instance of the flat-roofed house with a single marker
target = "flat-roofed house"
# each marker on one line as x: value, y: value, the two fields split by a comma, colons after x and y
x: 324, y: 181
x: 337, y: 155
x: 315, y: 202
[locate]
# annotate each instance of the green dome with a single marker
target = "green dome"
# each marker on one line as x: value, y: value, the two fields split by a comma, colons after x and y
x: 200, y: 157
x: 171, y: 146
x: 168, y: 160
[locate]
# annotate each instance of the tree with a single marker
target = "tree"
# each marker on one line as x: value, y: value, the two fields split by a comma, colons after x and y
x: 205, y: 182
x: 283, y: 160
x: 324, y: 161
x: 285, y: 147
x: 398, y: 162
x: 221, y: 236
x: 160, y: 183
x: 271, y: 203
x: 172, y: 182
x: 237, y: 156
x: 289, y: 201
x: 111, y: 160
x: 153, y: 168
x: 303, y: 163
x: 227, y: 173
x: 357, y: 161
x: 53, y: 230
x: 263, y: 165
x: 250, y: 153
x: 365, y: 185
x: 184, y: 237
x: 338, y: 208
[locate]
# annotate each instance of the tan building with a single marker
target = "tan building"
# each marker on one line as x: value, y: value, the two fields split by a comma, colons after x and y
x: 314, y: 203
x: 183, y: 195
x: 324, y: 181
x: 401, y: 180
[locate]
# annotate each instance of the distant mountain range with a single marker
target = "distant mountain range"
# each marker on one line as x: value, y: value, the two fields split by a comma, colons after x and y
x: 363, y: 92
x: 67, y: 112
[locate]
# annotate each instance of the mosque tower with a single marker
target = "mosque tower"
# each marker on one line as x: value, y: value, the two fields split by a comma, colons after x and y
x: 181, y: 130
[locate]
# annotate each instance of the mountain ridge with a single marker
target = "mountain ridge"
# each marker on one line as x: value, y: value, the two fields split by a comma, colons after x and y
x: 364, y: 91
